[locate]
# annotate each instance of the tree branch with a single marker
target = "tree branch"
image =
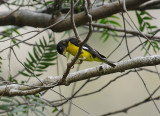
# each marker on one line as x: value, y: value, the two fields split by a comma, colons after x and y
x: 133, y: 32
x: 30, y: 18
x: 152, y: 4
x: 51, y: 81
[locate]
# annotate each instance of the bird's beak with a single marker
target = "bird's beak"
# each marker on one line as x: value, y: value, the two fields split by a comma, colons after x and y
x: 64, y: 53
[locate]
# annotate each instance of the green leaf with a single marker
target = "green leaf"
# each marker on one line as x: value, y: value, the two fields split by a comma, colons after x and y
x: 37, y: 75
x: 49, y: 59
x: 37, y: 110
x: 49, y: 55
x: 15, y: 100
x: 148, y: 24
x: 103, y: 21
x: 50, y: 36
x: 19, y: 108
x: 106, y: 38
x: 142, y: 27
x: 24, y: 74
x: 5, y: 100
x: 114, y: 32
x: 40, y: 70
x: 39, y: 49
x: 149, y: 46
x: 38, y: 103
x: 115, y: 38
x: 49, y: 2
x: 152, y: 27
x: 29, y: 71
x: 55, y: 110
x: 15, y: 30
x: 46, y: 63
x: 51, y: 48
x: 28, y: 66
x: 42, y: 67
x: 32, y: 58
x: 42, y: 57
x: 42, y: 45
x: 104, y: 34
x: 29, y: 62
x: 143, y: 12
x: 10, y: 78
x: 145, y: 43
x: 15, y: 43
x: 113, y: 16
x: 147, y: 18
x: 45, y: 43
x: 5, y: 106
x: 3, y: 37
x: 115, y: 23
x: 36, y: 53
x: 139, y: 18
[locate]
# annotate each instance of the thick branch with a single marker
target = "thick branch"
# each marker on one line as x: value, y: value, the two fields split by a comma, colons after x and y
x: 153, y: 4
x: 30, y: 18
x: 51, y: 81
x: 24, y: 18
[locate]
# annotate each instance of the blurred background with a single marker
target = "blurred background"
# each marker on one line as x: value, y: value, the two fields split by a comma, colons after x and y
x: 122, y: 93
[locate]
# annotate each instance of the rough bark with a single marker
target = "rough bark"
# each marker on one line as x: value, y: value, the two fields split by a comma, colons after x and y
x: 52, y: 81
x: 33, y: 19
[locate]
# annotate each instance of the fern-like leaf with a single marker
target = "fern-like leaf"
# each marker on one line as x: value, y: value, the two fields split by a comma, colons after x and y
x: 42, y: 57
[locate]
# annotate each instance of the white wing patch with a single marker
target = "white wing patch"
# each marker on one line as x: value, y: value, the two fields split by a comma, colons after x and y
x: 85, y: 48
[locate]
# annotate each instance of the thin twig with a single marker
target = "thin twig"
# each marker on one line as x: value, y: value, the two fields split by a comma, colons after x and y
x: 124, y: 110
x: 69, y: 65
x: 133, y: 32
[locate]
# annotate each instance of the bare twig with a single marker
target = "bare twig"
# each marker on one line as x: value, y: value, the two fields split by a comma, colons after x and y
x: 69, y: 65
x: 124, y: 110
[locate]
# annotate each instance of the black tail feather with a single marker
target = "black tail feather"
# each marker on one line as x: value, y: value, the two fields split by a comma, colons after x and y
x: 108, y: 62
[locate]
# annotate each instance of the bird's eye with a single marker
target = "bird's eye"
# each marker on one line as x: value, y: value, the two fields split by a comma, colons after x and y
x: 64, y: 43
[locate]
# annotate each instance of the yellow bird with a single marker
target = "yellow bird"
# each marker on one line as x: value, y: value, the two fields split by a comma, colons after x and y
x: 71, y: 45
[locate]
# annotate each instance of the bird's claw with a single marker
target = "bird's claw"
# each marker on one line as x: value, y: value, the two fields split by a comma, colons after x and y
x: 79, y: 62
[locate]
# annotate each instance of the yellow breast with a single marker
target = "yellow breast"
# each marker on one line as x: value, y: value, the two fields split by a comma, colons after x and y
x: 85, y: 55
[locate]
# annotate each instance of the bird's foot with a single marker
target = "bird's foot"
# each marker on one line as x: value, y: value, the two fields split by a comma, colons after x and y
x: 72, y: 67
x: 79, y: 62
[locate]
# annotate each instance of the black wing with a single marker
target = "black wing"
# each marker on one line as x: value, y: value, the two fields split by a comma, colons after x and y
x: 86, y: 47
x: 74, y: 41
x: 94, y: 52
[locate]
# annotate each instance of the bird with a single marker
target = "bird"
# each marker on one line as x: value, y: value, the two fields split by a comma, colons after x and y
x: 71, y: 46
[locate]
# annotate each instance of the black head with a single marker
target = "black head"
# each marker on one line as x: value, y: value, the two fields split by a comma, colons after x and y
x: 61, y: 47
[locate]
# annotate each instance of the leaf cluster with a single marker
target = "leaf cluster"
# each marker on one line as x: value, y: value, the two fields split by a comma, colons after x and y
x: 112, y: 21
x: 8, y: 33
x: 42, y: 57
x: 17, y: 106
x: 144, y: 18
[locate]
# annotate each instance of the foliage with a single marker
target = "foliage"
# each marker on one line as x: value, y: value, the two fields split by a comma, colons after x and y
x: 9, y: 33
x: 144, y: 19
x: 43, y: 56
x: 44, y: 53
x: 16, y: 106
x: 112, y: 21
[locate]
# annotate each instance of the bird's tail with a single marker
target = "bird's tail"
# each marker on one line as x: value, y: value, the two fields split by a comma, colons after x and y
x: 108, y: 62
